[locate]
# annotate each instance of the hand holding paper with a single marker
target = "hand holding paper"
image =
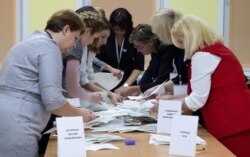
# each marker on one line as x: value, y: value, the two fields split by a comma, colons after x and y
x: 87, y: 114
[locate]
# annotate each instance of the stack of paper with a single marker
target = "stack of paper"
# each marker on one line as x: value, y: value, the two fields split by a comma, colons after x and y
x: 144, y: 128
x: 101, y: 138
x: 165, y: 139
x: 158, y: 91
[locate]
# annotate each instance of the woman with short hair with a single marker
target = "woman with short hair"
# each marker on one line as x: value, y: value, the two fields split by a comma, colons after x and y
x: 31, y: 88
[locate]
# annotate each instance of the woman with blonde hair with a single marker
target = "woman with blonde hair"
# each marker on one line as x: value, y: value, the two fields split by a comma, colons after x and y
x: 72, y: 59
x: 87, y: 80
x: 162, y: 23
x: 216, y: 84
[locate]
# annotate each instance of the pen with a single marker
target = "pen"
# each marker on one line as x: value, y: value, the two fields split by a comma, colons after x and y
x: 200, y: 148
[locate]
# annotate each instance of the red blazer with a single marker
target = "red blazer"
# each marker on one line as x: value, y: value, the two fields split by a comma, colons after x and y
x: 227, y: 110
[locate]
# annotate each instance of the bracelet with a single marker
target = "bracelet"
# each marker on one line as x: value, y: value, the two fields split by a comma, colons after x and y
x: 125, y: 85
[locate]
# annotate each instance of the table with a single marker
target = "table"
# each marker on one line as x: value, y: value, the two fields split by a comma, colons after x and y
x: 142, y: 148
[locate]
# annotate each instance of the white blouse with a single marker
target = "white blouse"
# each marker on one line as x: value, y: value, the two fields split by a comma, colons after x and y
x: 203, y: 66
x: 86, y: 67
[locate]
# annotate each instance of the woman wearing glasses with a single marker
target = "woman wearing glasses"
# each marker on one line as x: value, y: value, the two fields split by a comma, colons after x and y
x: 30, y: 85
x: 161, y: 63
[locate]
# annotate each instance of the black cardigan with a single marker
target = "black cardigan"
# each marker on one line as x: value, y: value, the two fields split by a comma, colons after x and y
x: 160, y: 66
x: 130, y: 60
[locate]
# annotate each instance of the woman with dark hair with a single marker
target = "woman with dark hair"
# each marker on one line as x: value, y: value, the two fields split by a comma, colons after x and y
x: 118, y: 52
x: 161, y: 63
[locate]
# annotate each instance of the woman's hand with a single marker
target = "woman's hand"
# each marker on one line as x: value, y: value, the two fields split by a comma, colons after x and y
x: 169, y: 87
x: 123, y: 91
x: 155, y: 105
x: 115, y: 98
x: 165, y: 97
x: 128, y: 91
x: 149, y: 91
x: 96, y: 98
x: 155, y: 102
x: 87, y: 114
x: 117, y: 73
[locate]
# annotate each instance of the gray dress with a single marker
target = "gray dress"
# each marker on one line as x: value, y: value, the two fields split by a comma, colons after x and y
x: 30, y: 89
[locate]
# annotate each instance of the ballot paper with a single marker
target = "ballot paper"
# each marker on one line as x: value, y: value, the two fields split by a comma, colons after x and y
x: 158, y: 91
x: 116, y: 118
x: 151, y: 128
x: 101, y: 138
x: 106, y: 80
x: 100, y: 146
x: 74, y: 101
x: 180, y: 89
x: 158, y: 139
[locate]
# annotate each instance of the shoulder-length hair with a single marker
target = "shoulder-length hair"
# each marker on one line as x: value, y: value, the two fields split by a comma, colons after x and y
x: 122, y: 18
x: 195, y: 34
x: 143, y: 33
x: 163, y: 22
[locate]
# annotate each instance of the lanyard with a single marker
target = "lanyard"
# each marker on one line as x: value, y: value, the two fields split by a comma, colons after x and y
x: 119, y: 55
x: 49, y: 35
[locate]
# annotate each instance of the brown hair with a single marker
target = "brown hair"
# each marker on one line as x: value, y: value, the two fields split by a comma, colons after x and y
x: 92, y: 20
x: 143, y: 33
x: 106, y: 26
x: 62, y: 18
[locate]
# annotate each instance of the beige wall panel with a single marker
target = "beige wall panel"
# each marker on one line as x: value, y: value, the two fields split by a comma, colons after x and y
x: 141, y: 10
x: 239, y: 33
x: 7, y: 29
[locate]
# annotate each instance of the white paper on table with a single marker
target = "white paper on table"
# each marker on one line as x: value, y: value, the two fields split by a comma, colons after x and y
x: 110, y: 127
x: 159, y: 90
x: 180, y: 89
x: 167, y: 109
x: 158, y: 139
x: 107, y: 80
x: 172, y: 75
x: 139, y: 97
x: 183, y: 135
x: 129, y: 104
x: 74, y: 101
x: 100, y: 146
x: 50, y: 131
x: 101, y: 138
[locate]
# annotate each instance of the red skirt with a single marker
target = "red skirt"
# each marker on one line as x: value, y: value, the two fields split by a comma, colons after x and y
x: 238, y: 143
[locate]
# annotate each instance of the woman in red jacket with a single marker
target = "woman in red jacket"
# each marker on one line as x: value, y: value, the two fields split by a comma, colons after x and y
x: 216, y: 84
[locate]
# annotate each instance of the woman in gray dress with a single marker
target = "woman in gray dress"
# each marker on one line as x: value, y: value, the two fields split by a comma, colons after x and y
x: 30, y: 85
